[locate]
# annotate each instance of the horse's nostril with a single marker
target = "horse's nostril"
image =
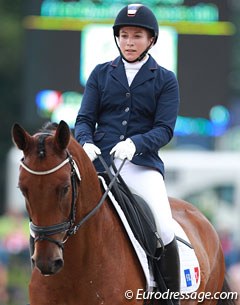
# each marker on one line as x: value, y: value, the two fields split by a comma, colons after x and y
x: 49, y: 267
x: 58, y: 264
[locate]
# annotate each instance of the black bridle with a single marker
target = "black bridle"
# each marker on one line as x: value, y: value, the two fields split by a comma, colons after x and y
x: 40, y: 233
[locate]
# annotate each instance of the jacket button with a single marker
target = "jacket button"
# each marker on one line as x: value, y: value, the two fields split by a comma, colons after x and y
x: 124, y: 123
x: 121, y: 137
x: 128, y: 94
x: 127, y: 109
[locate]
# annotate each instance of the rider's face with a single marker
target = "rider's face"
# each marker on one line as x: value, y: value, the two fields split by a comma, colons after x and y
x: 133, y: 41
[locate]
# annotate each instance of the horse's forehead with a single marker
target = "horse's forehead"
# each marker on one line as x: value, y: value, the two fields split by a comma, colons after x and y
x: 42, y: 143
x: 42, y: 153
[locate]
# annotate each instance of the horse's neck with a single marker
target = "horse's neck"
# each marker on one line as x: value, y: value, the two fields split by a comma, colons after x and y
x: 89, y: 187
x: 90, y: 191
x: 103, y: 225
x: 87, y: 245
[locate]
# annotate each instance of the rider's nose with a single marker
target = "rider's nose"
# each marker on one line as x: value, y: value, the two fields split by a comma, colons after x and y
x: 129, y: 42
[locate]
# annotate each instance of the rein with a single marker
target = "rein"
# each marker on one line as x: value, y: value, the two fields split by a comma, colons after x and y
x: 40, y: 233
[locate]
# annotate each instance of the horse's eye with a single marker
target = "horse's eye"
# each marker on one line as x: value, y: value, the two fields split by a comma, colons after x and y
x: 65, y: 189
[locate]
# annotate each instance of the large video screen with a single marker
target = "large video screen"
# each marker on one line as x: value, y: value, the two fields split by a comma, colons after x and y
x: 100, y: 38
x: 65, y: 40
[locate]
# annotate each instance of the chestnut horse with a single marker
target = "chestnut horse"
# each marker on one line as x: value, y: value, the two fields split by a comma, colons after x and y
x: 82, y: 254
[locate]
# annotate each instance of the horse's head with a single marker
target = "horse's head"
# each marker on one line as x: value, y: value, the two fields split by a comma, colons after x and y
x: 48, y: 179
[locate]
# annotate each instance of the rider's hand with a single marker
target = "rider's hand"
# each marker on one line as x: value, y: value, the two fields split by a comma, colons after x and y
x: 124, y: 149
x: 92, y: 151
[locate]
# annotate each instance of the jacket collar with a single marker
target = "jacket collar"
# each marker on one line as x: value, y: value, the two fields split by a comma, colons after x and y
x: 148, y: 68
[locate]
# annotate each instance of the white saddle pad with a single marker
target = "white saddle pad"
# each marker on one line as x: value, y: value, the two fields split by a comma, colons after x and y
x: 189, y: 265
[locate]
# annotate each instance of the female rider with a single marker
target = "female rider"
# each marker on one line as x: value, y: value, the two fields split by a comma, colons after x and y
x: 129, y: 108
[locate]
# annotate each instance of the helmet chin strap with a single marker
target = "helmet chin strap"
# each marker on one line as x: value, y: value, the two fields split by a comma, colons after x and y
x: 139, y: 58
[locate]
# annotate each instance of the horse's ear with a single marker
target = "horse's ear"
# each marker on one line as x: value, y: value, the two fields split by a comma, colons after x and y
x: 62, y: 135
x: 20, y: 137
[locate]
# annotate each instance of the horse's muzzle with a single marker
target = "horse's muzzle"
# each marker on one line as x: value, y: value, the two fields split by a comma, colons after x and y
x: 48, y: 266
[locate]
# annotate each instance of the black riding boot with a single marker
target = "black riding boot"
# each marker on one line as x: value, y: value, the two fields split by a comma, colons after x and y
x: 169, y: 266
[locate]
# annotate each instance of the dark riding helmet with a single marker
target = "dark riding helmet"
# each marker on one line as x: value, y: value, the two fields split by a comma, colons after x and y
x: 136, y: 15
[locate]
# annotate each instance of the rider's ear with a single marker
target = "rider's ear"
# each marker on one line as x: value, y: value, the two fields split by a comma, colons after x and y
x: 20, y: 137
x: 62, y: 136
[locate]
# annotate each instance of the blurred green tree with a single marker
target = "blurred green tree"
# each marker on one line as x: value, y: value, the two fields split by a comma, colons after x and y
x: 11, y: 46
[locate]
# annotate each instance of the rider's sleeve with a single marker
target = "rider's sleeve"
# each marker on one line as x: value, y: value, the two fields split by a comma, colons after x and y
x: 87, y: 114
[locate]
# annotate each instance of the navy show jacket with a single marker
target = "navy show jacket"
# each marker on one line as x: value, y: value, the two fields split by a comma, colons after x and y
x: 112, y: 111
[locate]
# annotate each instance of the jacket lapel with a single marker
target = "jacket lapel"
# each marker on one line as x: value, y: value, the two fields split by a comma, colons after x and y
x: 147, y: 73
x: 118, y: 72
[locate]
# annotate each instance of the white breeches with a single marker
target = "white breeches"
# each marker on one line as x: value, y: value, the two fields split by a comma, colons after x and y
x: 149, y: 184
